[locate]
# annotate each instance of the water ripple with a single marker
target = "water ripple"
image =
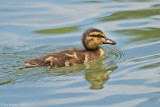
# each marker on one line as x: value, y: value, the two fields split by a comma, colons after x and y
x: 115, y: 53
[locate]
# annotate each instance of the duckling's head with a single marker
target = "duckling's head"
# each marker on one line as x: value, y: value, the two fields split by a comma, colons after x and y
x: 93, y: 37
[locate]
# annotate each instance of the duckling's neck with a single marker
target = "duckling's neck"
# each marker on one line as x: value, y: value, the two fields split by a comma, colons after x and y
x: 92, y: 49
x: 98, y: 50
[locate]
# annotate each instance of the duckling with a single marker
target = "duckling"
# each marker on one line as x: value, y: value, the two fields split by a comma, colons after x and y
x: 91, y: 40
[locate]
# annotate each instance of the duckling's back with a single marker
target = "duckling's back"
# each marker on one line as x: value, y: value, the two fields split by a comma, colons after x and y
x: 64, y: 58
x: 58, y: 59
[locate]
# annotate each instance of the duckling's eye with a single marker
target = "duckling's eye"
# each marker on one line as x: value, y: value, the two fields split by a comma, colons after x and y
x: 98, y: 36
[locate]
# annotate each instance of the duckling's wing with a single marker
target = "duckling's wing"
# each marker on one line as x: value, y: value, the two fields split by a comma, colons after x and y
x: 64, y: 58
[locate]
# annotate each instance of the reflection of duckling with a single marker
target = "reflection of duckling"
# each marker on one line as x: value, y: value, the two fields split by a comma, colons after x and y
x: 91, y: 39
x: 97, y: 77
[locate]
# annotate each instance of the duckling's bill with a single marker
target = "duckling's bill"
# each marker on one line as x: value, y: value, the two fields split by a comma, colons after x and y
x: 109, y: 41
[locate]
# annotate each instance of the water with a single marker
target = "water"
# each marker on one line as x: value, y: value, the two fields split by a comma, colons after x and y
x: 128, y: 75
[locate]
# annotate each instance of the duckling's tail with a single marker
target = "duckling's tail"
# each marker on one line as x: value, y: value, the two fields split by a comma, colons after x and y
x: 33, y: 63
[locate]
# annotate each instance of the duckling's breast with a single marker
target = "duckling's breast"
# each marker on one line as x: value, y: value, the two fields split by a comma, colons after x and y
x: 93, y: 55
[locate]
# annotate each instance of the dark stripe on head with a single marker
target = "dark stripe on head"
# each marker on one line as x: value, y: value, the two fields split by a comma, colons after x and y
x: 98, y: 36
